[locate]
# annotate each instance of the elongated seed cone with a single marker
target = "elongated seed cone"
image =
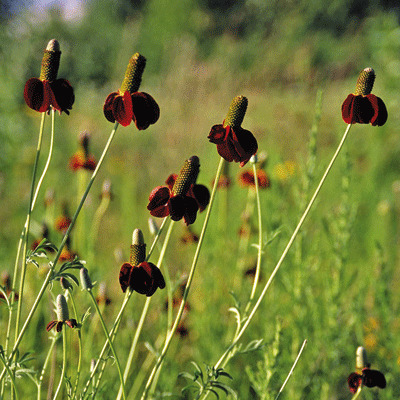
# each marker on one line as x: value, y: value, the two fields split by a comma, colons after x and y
x: 65, y: 284
x: 62, y: 308
x: 365, y: 82
x: 236, y: 112
x: 50, y: 61
x: 138, y: 248
x: 361, y: 358
x: 187, y: 176
x: 86, y: 282
x: 133, y: 74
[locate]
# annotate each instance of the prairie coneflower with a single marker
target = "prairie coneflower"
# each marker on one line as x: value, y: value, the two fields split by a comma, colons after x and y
x: 62, y: 315
x: 139, y: 275
x: 182, y: 197
x: 246, y: 178
x: 364, y: 376
x: 82, y: 159
x: 47, y: 91
x: 127, y: 104
x: 233, y: 142
x: 362, y: 107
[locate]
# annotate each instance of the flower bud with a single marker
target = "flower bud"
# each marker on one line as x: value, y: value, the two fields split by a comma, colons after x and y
x: 236, y: 113
x: 65, y: 284
x: 50, y: 61
x: 153, y: 228
x: 138, y: 248
x: 187, y: 176
x: 86, y: 282
x: 133, y: 74
x: 62, y: 308
x: 365, y: 82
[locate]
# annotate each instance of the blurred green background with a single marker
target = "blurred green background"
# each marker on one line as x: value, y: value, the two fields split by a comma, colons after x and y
x: 200, y: 54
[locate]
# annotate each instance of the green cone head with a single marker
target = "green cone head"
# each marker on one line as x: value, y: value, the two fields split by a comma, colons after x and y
x: 236, y: 113
x: 50, y: 61
x: 365, y: 82
x: 187, y: 176
x: 133, y: 74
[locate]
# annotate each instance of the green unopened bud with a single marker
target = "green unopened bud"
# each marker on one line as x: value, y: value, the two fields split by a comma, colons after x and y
x: 62, y: 308
x: 133, y: 74
x: 365, y: 82
x: 86, y: 282
x: 138, y: 248
x: 361, y: 358
x: 187, y: 176
x: 237, y: 111
x: 153, y: 228
x: 65, y: 284
x: 50, y: 61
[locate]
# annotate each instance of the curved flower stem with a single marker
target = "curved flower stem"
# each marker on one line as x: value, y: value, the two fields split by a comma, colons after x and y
x: 25, y: 233
x: 114, y: 329
x: 227, y: 355
x: 110, y: 343
x: 64, y: 362
x: 46, y: 362
x: 63, y: 242
x: 356, y: 394
x: 145, y: 309
x: 171, y: 332
x: 260, y: 239
x: 292, y: 369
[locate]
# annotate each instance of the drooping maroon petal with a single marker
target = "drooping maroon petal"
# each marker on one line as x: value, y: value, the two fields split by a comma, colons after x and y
x: 381, y: 114
x: 35, y: 95
x: 107, y: 108
x: 71, y: 323
x: 190, y: 210
x: 347, y: 109
x: 224, y: 149
x: 245, y: 145
x: 158, y: 200
x: 122, y: 109
x: 51, y: 325
x: 218, y: 134
x: 354, y: 381
x: 372, y: 378
x: 64, y: 95
x: 170, y: 181
x: 201, y: 194
x: 145, y: 110
x: 146, y: 278
x: 124, y: 276
x: 176, y: 206
x: 357, y: 109
x: 59, y: 326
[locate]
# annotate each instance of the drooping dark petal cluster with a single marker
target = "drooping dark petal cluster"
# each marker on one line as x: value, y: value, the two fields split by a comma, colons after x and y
x: 82, y: 159
x: 362, y: 107
x: 42, y: 94
x: 369, y: 378
x: 233, y: 142
x: 182, y: 197
x: 246, y: 178
x: 62, y: 316
x: 127, y: 104
x: 139, y: 275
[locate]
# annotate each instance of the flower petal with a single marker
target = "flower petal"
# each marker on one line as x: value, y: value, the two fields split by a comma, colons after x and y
x: 145, y: 110
x: 176, y: 207
x: 170, y: 181
x: 35, y: 95
x: 51, y: 325
x: 347, y: 109
x: 201, y: 194
x: 218, y: 134
x: 190, y: 210
x: 245, y: 145
x: 381, y: 114
x: 354, y: 381
x: 64, y: 95
x: 122, y: 109
x: 372, y: 378
x: 107, y: 108
x: 124, y: 276
x: 158, y: 200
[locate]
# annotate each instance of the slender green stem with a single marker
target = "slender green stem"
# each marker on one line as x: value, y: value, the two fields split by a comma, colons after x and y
x: 225, y: 356
x: 27, y: 227
x: 110, y: 343
x: 64, y: 361
x: 46, y: 362
x: 11, y: 375
x: 63, y: 242
x: 260, y: 239
x: 146, y: 308
x: 170, y: 334
x: 357, y: 393
x: 291, y: 369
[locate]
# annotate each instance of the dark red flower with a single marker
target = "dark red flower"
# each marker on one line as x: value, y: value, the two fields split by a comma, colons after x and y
x: 233, y: 143
x: 144, y: 278
x: 362, y: 107
x: 246, y: 178
x: 126, y: 107
x: 42, y: 94
x: 62, y: 315
x: 369, y: 378
x: 58, y: 324
x: 182, y: 197
x: 82, y: 159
